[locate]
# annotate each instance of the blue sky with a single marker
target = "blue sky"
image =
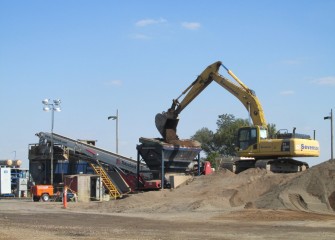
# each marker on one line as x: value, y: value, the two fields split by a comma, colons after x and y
x: 136, y: 56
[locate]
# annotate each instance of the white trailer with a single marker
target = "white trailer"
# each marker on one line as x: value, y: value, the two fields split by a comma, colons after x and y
x: 5, y: 181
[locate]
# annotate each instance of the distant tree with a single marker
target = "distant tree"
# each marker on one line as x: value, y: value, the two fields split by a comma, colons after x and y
x: 222, y: 142
x: 226, y: 134
x: 205, y: 137
x: 272, y: 129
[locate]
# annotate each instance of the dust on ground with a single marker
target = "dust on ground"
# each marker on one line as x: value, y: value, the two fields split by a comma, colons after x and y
x: 254, y: 204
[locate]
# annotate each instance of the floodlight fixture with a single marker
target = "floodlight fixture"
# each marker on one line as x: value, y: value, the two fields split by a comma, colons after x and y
x: 57, y: 102
x: 54, y: 107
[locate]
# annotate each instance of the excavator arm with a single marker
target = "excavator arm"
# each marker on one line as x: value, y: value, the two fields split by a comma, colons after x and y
x: 246, y: 96
x: 167, y: 122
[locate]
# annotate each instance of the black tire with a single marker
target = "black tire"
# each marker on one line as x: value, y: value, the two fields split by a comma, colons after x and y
x: 45, y: 197
x: 36, y: 199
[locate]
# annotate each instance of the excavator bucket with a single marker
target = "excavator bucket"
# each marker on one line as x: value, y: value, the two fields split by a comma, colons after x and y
x: 167, y: 127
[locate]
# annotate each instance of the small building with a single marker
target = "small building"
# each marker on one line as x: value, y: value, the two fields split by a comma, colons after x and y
x: 87, y: 187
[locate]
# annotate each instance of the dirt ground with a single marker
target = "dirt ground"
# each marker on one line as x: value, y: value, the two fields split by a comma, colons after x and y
x: 255, y: 204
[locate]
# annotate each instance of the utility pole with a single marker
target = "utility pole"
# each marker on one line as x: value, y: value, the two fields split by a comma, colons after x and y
x: 53, y: 107
x: 116, y: 118
x: 331, y: 132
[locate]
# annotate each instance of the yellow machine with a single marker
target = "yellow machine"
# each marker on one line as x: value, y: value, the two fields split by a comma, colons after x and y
x: 254, y: 143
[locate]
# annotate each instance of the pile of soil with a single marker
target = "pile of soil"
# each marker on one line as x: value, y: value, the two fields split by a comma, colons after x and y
x: 223, y: 191
x: 313, y: 191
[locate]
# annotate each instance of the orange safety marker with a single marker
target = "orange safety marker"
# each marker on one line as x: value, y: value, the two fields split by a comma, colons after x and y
x: 65, y: 197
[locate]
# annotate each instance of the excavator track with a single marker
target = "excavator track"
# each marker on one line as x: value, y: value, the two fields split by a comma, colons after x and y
x: 238, y: 166
x: 285, y: 165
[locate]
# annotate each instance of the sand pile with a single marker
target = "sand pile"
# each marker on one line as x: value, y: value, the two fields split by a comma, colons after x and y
x: 224, y: 191
x: 313, y: 191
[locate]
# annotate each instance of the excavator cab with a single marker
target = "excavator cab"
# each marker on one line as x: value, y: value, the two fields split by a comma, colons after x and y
x: 254, y: 142
x: 249, y: 136
x: 246, y: 137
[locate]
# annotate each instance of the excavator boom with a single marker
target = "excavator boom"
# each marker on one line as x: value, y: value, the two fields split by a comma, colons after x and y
x: 167, y: 122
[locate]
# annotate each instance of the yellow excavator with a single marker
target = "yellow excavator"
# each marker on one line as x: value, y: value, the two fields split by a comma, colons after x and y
x: 255, y: 148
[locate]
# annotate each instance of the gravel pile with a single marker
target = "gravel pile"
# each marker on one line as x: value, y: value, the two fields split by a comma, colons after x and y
x: 310, y: 191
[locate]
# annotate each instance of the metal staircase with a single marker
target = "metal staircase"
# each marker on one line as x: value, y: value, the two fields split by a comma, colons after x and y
x: 108, y: 184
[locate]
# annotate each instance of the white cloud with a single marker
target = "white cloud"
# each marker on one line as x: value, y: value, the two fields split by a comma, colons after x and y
x: 114, y: 83
x: 191, y: 25
x: 329, y: 81
x: 149, y: 21
x: 287, y: 92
